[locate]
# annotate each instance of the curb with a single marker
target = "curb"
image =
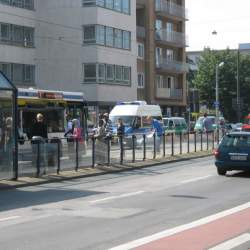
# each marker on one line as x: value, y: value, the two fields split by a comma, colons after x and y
x: 58, y: 178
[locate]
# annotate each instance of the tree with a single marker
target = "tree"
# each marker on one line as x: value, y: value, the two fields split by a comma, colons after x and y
x: 204, y: 80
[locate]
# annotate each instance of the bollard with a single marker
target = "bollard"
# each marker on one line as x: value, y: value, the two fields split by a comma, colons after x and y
x: 77, y: 154
x: 144, y: 147
x: 195, y: 139
x: 109, y: 148
x: 121, y: 149
x: 207, y: 141
x: 201, y: 140
x: 38, y: 159
x: 58, y: 157
x: 164, y: 144
x: 133, y: 147
x: 154, y: 145
x: 172, y: 142
x: 93, y: 152
x: 180, y: 143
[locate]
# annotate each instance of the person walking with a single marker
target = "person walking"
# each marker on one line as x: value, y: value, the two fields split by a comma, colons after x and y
x: 120, y: 133
x: 101, y: 146
x: 39, y: 135
x: 207, y: 124
x: 156, y: 125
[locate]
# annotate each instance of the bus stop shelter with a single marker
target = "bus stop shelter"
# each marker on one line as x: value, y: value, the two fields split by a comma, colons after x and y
x: 8, y: 129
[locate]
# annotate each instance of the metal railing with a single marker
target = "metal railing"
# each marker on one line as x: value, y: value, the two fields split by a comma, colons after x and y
x: 39, y: 157
x: 171, y: 65
x: 171, y: 37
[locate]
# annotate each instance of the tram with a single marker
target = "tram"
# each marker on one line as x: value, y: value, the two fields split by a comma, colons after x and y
x: 55, y: 106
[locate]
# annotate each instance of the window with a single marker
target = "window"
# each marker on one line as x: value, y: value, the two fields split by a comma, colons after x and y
x: 140, y: 50
x: 6, y: 69
x: 170, y: 54
x: 118, y: 38
x: 89, y: 34
x: 122, y: 6
x: 107, y: 36
x: 17, y: 35
x: 126, y: 74
x: 110, y: 72
x: 118, y: 5
x: 29, y: 73
x: 100, y: 34
x: 26, y: 4
x: 110, y: 36
x: 159, y: 81
x: 109, y: 4
x: 158, y: 55
x: 17, y: 72
x: 126, y: 40
x: 118, y: 73
x: 106, y: 73
x: 140, y: 80
x: 90, y: 73
x: 101, y: 73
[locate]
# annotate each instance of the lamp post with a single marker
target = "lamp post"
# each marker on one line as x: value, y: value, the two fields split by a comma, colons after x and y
x: 217, y: 88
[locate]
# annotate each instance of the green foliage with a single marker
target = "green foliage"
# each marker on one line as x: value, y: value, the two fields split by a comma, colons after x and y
x: 204, y: 80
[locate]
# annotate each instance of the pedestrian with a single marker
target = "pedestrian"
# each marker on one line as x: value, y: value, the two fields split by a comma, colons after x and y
x: 100, y: 146
x: 108, y: 126
x: 156, y: 125
x: 78, y: 136
x: 69, y: 135
x: 39, y: 135
x: 207, y: 124
x: 120, y: 133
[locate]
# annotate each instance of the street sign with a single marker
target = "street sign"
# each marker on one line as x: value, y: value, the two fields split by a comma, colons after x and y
x: 216, y: 104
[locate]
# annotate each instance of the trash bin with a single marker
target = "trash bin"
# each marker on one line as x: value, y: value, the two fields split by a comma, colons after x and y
x: 52, y: 151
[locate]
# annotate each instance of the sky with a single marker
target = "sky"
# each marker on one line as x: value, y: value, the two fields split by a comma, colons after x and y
x: 229, y: 18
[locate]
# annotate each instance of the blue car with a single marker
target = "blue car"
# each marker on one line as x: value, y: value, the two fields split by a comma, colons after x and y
x: 233, y: 152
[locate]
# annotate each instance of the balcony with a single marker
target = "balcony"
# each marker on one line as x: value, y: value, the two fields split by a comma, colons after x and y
x: 169, y: 93
x: 140, y: 32
x: 165, y: 64
x: 163, y: 7
x: 172, y: 37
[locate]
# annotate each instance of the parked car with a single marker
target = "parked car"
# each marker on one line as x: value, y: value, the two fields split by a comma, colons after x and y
x: 199, y: 123
x: 175, y: 125
x: 233, y: 152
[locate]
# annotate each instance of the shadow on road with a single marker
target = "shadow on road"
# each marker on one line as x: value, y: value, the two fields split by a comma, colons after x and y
x: 241, y: 174
x: 13, y: 199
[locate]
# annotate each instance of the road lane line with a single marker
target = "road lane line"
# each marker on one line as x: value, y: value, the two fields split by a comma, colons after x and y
x: 9, y: 218
x: 117, y: 197
x: 196, y: 179
x: 230, y: 244
x: 178, y: 229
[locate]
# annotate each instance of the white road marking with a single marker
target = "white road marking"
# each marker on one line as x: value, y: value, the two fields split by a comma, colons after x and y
x: 175, y: 230
x: 9, y: 218
x: 230, y: 244
x: 196, y: 179
x: 117, y: 197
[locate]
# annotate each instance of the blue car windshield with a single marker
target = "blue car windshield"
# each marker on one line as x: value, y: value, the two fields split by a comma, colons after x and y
x: 241, y: 141
x: 127, y: 120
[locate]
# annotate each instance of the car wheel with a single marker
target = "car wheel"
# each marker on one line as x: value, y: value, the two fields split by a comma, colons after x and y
x: 221, y: 171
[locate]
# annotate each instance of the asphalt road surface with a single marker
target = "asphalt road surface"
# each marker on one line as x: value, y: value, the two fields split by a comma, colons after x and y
x: 183, y: 205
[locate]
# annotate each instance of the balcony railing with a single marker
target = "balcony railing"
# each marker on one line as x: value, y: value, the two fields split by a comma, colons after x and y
x: 140, y: 32
x: 171, y: 65
x: 171, y: 37
x: 169, y: 93
x: 170, y: 8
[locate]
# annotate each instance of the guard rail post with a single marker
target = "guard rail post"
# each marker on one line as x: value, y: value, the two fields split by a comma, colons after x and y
x: 109, y: 148
x: 38, y: 159
x: 58, y: 156
x: 201, y: 140
x: 164, y: 144
x: 188, y: 141
x: 77, y: 154
x: 133, y: 148
x: 144, y: 147
x: 121, y: 149
x: 93, y: 152
x: 154, y: 145
x: 172, y: 144
x: 195, y: 141
x: 207, y: 141
x: 180, y: 143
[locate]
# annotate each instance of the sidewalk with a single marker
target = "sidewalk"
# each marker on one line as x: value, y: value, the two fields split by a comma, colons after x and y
x: 99, y: 170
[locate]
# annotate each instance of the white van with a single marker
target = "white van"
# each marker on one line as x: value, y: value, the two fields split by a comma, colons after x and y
x: 135, y: 118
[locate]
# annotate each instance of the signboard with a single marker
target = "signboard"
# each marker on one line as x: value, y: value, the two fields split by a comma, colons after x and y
x: 50, y: 95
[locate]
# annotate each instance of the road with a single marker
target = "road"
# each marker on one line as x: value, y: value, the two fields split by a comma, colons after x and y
x: 107, y: 211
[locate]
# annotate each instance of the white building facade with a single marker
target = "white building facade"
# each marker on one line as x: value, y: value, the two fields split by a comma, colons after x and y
x: 72, y: 45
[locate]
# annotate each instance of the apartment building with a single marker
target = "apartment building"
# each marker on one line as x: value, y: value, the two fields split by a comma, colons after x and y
x: 161, y: 56
x: 71, y: 45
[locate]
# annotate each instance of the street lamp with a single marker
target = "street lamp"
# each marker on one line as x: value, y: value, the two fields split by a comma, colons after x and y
x: 217, y: 88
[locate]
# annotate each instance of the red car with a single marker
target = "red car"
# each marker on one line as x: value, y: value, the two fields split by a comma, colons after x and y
x: 246, y: 124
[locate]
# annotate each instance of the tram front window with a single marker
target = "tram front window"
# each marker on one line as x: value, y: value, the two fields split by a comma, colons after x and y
x: 54, y: 119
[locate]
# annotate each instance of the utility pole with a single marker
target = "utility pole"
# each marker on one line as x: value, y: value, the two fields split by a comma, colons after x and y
x: 238, y: 86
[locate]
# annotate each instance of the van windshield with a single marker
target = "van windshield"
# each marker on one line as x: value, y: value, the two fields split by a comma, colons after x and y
x: 127, y: 120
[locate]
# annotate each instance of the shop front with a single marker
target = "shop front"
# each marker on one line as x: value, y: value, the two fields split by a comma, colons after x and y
x: 8, y: 130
